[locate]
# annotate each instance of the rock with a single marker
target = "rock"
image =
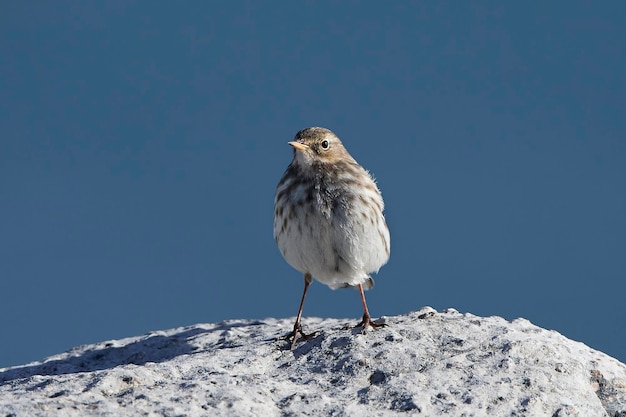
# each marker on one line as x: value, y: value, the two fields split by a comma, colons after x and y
x: 424, y: 362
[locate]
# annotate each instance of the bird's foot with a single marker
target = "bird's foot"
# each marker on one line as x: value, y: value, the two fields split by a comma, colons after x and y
x: 367, y: 322
x: 293, y: 335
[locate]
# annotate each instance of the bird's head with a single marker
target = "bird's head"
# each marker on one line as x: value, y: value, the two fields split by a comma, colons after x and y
x: 317, y: 144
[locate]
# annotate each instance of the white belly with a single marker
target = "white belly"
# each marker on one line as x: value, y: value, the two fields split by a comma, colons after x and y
x: 338, y: 247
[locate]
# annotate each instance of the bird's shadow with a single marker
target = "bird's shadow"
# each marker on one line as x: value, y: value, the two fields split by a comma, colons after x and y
x: 340, y: 337
x: 156, y: 348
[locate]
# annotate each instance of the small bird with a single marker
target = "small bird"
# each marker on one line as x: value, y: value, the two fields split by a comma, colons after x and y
x: 328, y: 219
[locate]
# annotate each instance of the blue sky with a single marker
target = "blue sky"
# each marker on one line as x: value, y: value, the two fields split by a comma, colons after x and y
x: 141, y: 144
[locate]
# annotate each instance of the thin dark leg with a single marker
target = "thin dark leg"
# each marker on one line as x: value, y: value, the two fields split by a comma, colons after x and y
x: 297, y: 328
x: 367, y: 320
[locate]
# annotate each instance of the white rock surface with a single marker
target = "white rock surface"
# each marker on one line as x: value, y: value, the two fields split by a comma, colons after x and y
x: 422, y: 363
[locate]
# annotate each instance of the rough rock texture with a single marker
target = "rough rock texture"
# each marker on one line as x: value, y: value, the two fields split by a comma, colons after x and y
x: 422, y: 363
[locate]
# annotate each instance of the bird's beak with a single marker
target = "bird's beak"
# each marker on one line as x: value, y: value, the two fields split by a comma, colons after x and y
x: 298, y: 146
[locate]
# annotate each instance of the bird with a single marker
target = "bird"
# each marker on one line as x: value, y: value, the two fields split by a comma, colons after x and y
x: 328, y: 219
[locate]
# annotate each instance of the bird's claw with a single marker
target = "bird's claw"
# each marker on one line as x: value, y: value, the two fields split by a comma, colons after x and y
x: 293, y: 335
x: 367, y: 322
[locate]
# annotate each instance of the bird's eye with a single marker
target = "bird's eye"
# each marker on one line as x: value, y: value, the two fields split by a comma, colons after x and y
x: 325, y: 144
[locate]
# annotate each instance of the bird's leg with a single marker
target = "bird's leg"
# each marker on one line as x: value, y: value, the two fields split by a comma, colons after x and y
x: 367, y: 320
x: 297, y: 328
